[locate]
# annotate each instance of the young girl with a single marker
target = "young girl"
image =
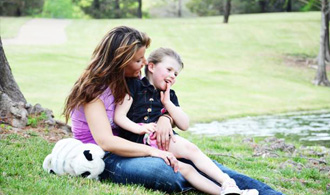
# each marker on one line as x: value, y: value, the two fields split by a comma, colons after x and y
x: 151, y: 98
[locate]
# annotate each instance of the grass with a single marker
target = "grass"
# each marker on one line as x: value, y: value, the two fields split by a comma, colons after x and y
x: 9, y: 26
x: 231, y: 70
x: 22, y: 173
x: 26, y: 176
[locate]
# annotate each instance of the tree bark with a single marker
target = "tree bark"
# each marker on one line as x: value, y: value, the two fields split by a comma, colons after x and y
x: 14, y: 109
x: 117, y: 9
x: 327, y: 47
x: 12, y: 101
x: 262, y: 4
x: 289, y: 6
x: 139, y: 11
x: 327, y: 50
x: 227, y: 8
x: 321, y: 74
x: 180, y: 9
x: 8, y: 84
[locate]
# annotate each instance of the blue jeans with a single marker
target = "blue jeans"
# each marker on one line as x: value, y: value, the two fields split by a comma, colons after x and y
x: 155, y: 174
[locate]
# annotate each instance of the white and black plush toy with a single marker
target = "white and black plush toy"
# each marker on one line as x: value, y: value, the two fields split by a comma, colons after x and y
x: 71, y: 156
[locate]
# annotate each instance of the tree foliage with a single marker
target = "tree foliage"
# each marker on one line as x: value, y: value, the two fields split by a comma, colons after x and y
x: 20, y: 7
x: 205, y: 7
x: 109, y: 8
x: 132, y: 8
x: 215, y: 7
x: 62, y: 9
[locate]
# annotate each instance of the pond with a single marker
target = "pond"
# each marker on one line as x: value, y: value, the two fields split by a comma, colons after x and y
x: 309, y: 128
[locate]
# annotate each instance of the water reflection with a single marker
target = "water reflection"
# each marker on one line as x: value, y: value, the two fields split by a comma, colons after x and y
x: 308, y: 127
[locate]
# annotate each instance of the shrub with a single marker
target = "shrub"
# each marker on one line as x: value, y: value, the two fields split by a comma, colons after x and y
x: 62, y: 9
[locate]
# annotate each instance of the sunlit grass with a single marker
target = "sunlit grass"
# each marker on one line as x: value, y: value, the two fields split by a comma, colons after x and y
x: 22, y: 173
x: 9, y: 26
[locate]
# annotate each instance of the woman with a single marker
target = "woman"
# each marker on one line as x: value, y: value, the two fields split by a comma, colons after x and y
x: 91, y: 105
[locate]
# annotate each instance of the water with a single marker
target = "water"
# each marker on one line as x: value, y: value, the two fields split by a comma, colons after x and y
x: 310, y: 128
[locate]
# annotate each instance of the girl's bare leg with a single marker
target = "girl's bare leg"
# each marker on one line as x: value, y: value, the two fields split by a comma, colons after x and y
x: 182, y: 148
x: 197, y: 180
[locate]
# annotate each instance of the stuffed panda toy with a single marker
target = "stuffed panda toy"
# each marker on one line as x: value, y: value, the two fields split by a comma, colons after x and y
x: 71, y: 156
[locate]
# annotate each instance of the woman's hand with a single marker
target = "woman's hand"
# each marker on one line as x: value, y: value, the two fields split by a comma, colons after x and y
x: 163, y: 133
x: 168, y: 157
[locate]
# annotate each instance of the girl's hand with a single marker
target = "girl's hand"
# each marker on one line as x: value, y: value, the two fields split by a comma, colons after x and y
x: 163, y: 133
x: 147, y: 128
x: 165, y: 95
x: 168, y: 157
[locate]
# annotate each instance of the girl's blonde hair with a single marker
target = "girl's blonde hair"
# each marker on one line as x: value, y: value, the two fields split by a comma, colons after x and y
x: 157, y: 56
x: 106, y: 68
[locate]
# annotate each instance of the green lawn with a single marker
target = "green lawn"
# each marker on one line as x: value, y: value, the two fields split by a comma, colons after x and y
x: 10, y: 26
x: 22, y: 173
x: 231, y: 70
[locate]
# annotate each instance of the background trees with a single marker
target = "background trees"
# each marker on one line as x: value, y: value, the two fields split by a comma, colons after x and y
x: 155, y: 8
x: 20, y: 7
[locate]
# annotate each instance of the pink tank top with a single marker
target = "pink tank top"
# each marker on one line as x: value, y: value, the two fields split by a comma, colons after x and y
x: 80, y: 127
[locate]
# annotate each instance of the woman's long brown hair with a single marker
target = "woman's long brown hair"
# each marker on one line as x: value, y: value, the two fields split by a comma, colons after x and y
x: 106, y: 69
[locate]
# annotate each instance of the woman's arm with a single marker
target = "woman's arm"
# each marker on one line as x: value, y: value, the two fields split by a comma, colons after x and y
x: 99, y: 125
x: 180, y: 118
x: 121, y: 119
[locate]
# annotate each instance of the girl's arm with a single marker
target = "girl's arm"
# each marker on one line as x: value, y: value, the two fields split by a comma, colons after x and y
x: 180, y: 118
x: 121, y: 119
x: 99, y: 125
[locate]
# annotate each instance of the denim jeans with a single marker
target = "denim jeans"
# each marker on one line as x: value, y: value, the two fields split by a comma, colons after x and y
x: 155, y: 174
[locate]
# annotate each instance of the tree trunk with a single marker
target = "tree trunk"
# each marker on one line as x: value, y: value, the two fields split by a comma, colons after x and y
x: 227, y: 8
x: 14, y: 109
x: 262, y: 4
x: 288, y: 6
x: 180, y: 9
x: 8, y: 84
x: 97, y: 6
x: 117, y: 9
x: 12, y: 101
x: 327, y: 50
x: 139, y: 11
x: 321, y: 74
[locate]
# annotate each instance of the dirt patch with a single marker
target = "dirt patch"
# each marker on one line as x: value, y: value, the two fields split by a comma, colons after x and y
x: 302, y: 62
x: 315, y: 156
x: 51, y: 135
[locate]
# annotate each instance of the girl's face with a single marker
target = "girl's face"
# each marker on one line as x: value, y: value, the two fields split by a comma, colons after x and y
x: 164, y: 72
x: 134, y: 67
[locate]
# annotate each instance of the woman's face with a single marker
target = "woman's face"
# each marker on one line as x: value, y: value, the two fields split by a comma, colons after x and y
x: 134, y: 67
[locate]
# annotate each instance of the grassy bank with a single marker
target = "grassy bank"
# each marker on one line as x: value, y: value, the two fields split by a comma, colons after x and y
x: 246, y: 67
x: 22, y: 157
